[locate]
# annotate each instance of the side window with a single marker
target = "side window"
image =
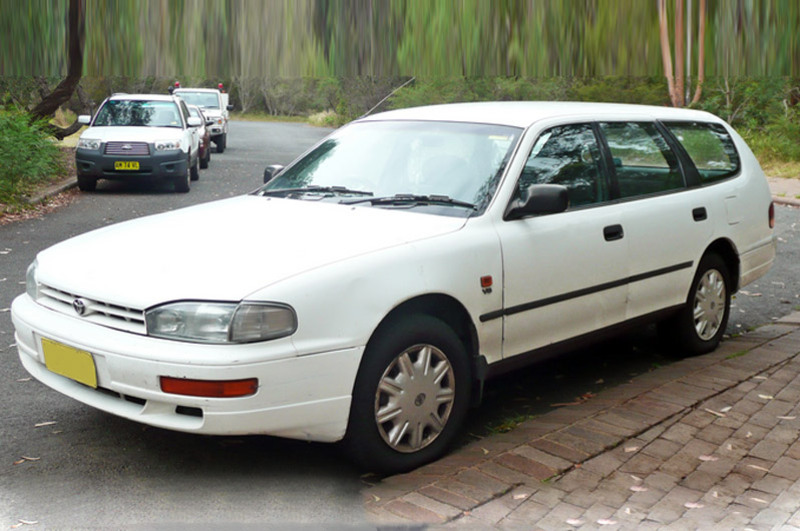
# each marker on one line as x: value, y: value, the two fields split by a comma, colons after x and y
x: 567, y: 155
x: 643, y: 162
x: 710, y: 148
x: 185, y: 112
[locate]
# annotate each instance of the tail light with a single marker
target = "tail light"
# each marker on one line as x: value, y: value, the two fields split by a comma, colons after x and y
x: 772, y: 215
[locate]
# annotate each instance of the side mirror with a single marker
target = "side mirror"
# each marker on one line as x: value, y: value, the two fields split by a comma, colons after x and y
x: 193, y: 121
x: 270, y: 172
x: 540, y: 199
x: 84, y: 119
x: 229, y: 107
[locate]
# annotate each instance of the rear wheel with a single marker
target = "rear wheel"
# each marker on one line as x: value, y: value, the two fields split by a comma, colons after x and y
x: 699, y: 326
x: 87, y: 184
x: 410, y: 397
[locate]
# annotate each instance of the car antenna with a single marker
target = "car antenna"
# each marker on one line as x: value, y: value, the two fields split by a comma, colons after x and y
x: 387, y: 97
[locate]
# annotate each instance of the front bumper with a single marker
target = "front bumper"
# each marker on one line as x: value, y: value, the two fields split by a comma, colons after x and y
x: 158, y: 165
x: 300, y: 397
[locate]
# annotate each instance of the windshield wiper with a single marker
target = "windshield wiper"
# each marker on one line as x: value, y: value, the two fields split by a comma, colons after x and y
x: 404, y: 199
x: 330, y: 190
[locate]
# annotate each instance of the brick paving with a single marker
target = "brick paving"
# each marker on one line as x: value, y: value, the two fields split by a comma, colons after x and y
x: 705, y: 443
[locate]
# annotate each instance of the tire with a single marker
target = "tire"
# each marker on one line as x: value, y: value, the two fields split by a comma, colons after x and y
x: 416, y: 359
x: 87, y: 184
x: 204, y: 161
x: 698, y: 328
x: 194, y: 171
x: 183, y: 182
x: 221, y: 142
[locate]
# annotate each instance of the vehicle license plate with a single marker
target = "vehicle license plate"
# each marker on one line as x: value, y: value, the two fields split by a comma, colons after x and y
x: 75, y: 364
x: 126, y: 165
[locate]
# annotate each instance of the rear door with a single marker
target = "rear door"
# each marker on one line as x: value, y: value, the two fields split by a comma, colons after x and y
x: 666, y: 222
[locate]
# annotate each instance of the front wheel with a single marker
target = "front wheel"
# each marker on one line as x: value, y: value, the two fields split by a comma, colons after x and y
x: 182, y: 182
x: 87, y: 184
x: 699, y: 326
x: 410, y: 397
x: 221, y: 142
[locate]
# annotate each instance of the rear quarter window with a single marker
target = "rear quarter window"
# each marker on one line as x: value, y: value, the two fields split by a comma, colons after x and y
x: 710, y: 148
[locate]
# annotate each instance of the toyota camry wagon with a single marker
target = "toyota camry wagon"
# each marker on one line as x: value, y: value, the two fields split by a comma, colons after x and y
x: 368, y: 289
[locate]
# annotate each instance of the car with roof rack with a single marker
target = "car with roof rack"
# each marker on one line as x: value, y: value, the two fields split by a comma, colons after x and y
x: 400, y: 263
x: 136, y: 137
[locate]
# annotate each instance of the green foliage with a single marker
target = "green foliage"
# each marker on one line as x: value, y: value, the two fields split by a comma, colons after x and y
x: 27, y: 156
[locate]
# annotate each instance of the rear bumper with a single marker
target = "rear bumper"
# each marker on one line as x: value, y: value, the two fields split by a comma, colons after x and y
x: 757, y: 261
x: 155, y: 166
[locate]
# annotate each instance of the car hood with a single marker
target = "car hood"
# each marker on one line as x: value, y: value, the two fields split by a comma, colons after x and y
x: 224, y: 250
x: 131, y: 134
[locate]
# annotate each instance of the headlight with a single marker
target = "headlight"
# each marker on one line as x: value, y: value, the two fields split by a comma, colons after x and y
x: 88, y: 143
x: 167, y: 145
x: 31, y: 286
x: 220, y: 322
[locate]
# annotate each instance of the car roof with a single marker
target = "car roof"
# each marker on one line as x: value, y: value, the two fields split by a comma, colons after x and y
x: 525, y: 113
x: 195, y: 90
x: 143, y: 97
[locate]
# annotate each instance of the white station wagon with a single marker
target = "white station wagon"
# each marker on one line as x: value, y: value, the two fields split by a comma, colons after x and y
x: 366, y: 292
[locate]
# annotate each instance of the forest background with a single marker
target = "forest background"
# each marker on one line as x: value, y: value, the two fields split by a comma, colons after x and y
x: 329, y: 61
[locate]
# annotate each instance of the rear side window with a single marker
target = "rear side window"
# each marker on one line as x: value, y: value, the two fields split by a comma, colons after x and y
x: 710, y: 147
x: 643, y: 162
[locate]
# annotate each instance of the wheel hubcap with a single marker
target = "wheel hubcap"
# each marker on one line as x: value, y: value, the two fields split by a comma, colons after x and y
x: 709, y: 304
x: 415, y: 398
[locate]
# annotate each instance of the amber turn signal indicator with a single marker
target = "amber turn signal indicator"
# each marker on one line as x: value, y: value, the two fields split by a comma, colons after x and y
x: 209, y: 388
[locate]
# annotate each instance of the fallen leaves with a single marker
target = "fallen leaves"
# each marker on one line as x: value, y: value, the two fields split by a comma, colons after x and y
x: 784, y: 417
x: 693, y: 505
x: 606, y: 521
x: 43, y: 424
x: 761, y: 468
x: 21, y: 523
x: 25, y: 458
x: 717, y: 413
x: 578, y: 400
x: 708, y: 458
x: 638, y: 488
x: 575, y: 522
x: 631, y: 449
x: 766, y: 397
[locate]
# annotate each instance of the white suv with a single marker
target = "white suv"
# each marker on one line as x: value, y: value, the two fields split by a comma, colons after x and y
x: 136, y: 137
x: 399, y: 263
x: 215, y: 106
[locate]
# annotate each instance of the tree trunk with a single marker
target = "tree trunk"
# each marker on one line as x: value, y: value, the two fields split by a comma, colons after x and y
x: 679, y: 55
x: 701, y: 52
x: 76, y: 32
x: 666, y: 52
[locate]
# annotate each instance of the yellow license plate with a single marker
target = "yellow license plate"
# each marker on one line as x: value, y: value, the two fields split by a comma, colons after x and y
x: 126, y: 165
x: 75, y: 364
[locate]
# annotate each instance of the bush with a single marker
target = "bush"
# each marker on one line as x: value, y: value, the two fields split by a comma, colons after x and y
x: 27, y: 156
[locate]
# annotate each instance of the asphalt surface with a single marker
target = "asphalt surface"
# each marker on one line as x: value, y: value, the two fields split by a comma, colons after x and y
x: 95, y: 470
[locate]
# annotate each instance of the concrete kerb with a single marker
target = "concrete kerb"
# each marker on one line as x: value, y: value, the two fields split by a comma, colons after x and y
x: 578, y: 442
x: 53, y: 190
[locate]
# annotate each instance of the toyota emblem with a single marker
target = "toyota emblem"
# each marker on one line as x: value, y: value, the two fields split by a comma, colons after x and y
x: 79, y: 305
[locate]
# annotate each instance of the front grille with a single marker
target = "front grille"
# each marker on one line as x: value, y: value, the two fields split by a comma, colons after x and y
x: 127, y: 148
x: 102, y: 313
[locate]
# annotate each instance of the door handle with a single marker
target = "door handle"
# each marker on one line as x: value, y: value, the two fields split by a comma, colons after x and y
x: 699, y: 214
x: 613, y: 232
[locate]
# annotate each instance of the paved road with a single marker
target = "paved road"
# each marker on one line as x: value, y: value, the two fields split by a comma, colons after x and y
x: 97, y: 470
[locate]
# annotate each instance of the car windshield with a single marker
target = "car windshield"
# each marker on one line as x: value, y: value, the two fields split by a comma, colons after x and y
x: 441, y: 167
x: 209, y: 100
x: 139, y: 113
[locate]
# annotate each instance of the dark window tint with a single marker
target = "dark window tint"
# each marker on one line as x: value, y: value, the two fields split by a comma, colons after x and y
x: 710, y: 147
x: 643, y: 162
x: 569, y: 156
